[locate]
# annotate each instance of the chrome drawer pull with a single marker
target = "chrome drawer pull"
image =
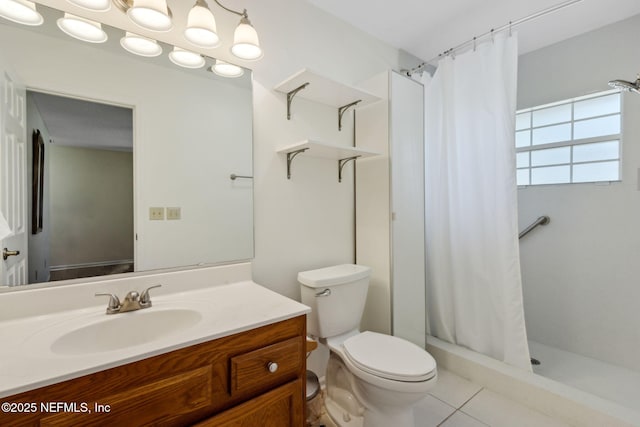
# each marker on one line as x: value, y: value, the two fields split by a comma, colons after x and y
x: 272, y: 367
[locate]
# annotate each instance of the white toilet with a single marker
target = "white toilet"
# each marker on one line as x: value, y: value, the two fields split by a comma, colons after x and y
x: 373, y: 380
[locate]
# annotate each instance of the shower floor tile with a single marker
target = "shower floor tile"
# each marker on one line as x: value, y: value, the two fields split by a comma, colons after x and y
x: 602, y: 379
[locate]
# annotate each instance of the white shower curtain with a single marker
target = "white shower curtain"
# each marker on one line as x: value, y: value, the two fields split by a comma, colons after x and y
x: 474, y: 291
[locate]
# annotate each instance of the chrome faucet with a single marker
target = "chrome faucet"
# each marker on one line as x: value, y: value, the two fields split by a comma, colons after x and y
x: 132, y: 301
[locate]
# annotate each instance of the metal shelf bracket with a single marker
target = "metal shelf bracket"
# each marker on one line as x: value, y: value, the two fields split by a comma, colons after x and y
x: 343, y: 110
x: 290, y: 156
x: 342, y: 163
x: 290, y: 96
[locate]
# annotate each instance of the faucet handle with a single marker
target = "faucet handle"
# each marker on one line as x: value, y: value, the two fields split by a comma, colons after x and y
x: 145, y: 298
x: 114, y: 302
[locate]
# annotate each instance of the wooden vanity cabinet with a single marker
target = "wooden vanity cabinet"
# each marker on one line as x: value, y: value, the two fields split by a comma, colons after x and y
x: 254, y: 378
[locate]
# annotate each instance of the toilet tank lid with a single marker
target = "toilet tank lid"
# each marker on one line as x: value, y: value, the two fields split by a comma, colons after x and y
x: 334, y: 275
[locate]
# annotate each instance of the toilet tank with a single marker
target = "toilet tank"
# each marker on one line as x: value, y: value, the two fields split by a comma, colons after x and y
x: 336, y: 296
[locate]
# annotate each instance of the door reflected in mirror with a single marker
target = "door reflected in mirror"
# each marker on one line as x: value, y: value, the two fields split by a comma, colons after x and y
x: 84, y: 191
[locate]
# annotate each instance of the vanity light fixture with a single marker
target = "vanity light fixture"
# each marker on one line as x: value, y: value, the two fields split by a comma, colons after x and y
x: 225, y: 69
x: 201, y: 26
x: 245, y: 40
x: 93, y: 5
x: 82, y: 29
x: 152, y: 15
x: 186, y: 58
x: 200, y: 29
x: 20, y: 11
x: 140, y: 45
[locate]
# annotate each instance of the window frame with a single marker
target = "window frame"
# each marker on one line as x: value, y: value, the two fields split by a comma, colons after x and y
x: 571, y: 143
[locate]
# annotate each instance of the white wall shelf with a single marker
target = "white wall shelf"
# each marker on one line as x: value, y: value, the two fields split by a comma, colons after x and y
x: 317, y: 88
x: 327, y: 151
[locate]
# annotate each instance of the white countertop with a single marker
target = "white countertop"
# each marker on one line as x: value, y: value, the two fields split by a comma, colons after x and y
x: 27, y: 361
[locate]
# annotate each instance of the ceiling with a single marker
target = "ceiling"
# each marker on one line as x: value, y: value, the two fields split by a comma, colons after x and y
x: 79, y: 123
x: 426, y: 28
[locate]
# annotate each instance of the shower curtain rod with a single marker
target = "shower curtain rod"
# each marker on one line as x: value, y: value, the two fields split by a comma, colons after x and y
x: 493, y: 31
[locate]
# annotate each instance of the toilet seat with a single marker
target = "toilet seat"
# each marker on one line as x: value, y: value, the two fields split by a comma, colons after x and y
x: 389, y: 357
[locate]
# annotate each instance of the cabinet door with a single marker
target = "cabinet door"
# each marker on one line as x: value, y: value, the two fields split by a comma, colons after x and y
x: 281, y: 407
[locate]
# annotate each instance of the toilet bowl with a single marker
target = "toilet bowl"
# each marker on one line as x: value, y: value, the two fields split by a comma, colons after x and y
x: 373, y: 379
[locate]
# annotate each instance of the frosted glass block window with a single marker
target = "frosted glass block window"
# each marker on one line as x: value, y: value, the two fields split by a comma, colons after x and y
x: 549, y: 134
x: 552, y: 115
x: 596, y: 151
x: 609, y: 125
x: 523, y: 176
x: 570, y: 141
x: 551, y: 175
x: 523, y: 139
x: 551, y: 156
x: 523, y: 121
x: 522, y: 160
x: 595, y: 172
x: 593, y: 107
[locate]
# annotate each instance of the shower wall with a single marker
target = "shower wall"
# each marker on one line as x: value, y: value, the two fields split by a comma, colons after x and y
x: 581, y: 273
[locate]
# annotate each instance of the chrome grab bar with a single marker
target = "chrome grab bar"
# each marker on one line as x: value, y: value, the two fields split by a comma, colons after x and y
x: 543, y: 220
x: 233, y: 177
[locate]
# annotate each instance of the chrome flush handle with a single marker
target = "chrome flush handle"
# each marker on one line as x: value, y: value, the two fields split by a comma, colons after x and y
x: 324, y: 293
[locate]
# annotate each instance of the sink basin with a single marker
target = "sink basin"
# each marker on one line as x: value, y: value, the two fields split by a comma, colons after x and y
x: 123, y: 330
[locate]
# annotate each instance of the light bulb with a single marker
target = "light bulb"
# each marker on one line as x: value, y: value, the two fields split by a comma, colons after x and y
x: 225, y: 69
x: 201, y: 26
x: 82, y: 29
x: 139, y: 45
x: 185, y: 58
x: 245, y: 41
x: 20, y: 11
x: 94, y: 5
x: 151, y: 14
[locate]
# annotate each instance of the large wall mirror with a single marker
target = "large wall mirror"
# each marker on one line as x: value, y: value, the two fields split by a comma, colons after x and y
x: 134, y: 164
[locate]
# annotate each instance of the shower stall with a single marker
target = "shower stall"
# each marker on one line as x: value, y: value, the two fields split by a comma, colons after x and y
x: 580, y: 273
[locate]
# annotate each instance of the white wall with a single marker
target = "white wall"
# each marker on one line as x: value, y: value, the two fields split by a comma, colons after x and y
x: 91, y: 208
x: 306, y: 222
x: 581, y: 272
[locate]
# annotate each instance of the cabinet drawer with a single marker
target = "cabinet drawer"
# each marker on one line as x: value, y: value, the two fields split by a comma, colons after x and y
x: 158, y: 403
x: 252, y: 370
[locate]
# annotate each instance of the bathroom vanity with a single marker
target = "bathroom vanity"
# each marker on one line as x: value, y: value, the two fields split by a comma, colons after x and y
x: 241, y: 363
x: 214, y: 383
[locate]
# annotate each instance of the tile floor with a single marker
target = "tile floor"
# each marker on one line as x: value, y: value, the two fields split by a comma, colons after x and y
x: 457, y: 402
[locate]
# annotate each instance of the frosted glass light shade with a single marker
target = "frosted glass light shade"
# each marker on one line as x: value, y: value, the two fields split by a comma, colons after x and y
x: 185, y: 58
x: 82, y: 29
x: 139, y: 45
x: 95, y: 5
x: 201, y: 26
x: 150, y: 14
x: 225, y: 69
x: 245, y: 41
x: 20, y: 11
